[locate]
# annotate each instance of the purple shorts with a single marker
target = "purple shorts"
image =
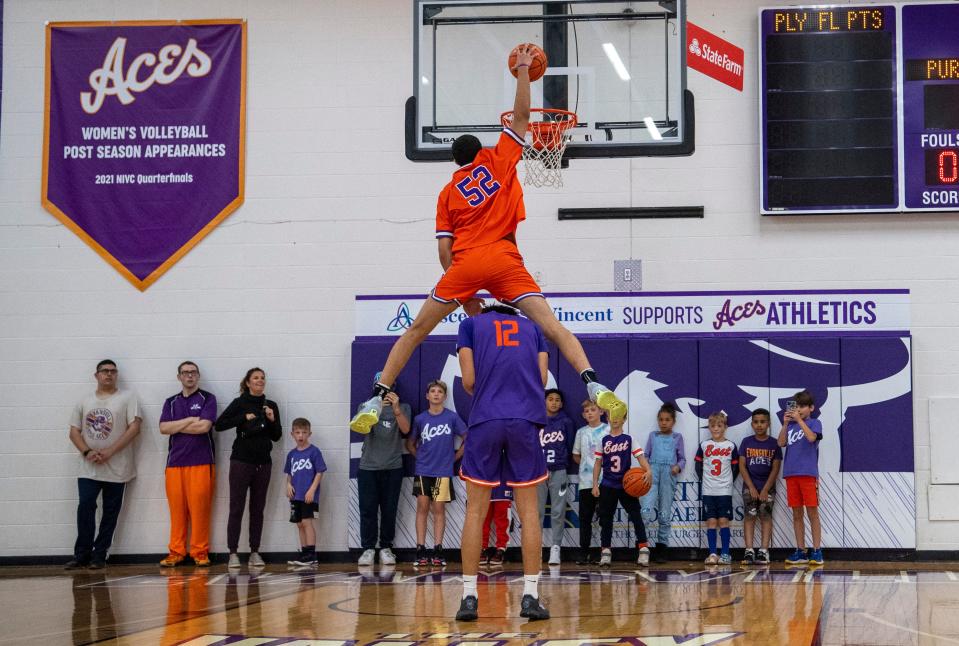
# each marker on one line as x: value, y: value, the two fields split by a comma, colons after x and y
x: 503, y: 450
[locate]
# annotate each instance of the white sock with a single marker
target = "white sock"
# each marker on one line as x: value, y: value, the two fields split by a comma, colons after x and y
x: 530, y: 585
x: 469, y: 585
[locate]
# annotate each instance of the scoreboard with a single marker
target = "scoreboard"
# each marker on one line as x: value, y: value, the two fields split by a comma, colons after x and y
x: 859, y: 108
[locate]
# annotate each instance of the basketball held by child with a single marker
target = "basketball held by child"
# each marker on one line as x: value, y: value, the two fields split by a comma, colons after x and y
x: 537, y: 68
x: 633, y: 483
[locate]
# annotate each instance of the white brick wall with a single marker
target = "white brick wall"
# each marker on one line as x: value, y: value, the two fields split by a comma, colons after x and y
x: 274, y: 285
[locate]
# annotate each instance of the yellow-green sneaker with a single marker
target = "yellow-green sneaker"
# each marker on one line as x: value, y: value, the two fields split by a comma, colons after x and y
x: 367, y: 416
x: 607, y: 400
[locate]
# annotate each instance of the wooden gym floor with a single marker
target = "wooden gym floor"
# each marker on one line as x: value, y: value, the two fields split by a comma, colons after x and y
x: 679, y: 603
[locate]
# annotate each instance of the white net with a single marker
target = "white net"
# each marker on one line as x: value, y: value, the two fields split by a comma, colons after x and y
x: 544, y: 164
x: 547, y: 140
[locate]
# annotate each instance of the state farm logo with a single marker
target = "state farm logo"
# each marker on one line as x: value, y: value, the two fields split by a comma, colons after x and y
x: 715, y: 57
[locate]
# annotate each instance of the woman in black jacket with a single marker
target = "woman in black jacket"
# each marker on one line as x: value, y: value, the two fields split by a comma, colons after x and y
x: 257, y: 423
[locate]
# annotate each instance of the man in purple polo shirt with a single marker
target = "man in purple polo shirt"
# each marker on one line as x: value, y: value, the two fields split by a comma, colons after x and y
x: 188, y: 418
x: 503, y: 362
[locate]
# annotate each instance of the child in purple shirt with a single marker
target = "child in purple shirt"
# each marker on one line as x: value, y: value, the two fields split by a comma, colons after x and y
x: 759, y: 460
x: 800, y: 436
x: 557, y: 442
x: 304, y: 469
x: 613, y: 459
x: 432, y: 443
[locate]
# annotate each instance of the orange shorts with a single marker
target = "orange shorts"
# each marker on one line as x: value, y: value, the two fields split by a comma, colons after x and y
x: 497, y: 267
x: 802, y: 491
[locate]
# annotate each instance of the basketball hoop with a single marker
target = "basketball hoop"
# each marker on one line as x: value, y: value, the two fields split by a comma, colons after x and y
x: 548, y: 132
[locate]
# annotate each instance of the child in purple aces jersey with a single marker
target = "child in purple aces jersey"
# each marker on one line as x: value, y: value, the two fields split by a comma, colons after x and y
x: 760, y: 459
x: 614, y: 457
x: 304, y: 468
x: 557, y: 442
x: 432, y: 441
x: 503, y: 361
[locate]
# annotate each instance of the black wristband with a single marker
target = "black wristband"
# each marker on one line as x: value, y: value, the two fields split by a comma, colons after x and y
x: 86, y: 452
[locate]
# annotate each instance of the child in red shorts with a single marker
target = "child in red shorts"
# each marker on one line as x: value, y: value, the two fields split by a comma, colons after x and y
x: 800, y: 436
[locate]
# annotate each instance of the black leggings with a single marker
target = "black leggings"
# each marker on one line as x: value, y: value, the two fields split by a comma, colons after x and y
x: 256, y: 479
x: 608, y: 497
x: 587, y: 510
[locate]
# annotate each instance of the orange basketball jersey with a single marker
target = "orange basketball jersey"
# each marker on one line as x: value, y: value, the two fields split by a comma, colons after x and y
x: 483, y: 202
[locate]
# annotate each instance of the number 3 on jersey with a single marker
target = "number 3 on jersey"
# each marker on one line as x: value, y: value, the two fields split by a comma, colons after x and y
x: 484, y: 188
x: 717, y: 468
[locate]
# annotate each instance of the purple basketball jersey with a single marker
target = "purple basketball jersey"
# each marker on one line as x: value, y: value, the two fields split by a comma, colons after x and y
x: 506, y: 359
x: 616, y: 452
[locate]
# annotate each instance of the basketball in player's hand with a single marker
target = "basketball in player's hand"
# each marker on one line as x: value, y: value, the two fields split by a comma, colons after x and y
x: 537, y: 68
x: 634, y: 484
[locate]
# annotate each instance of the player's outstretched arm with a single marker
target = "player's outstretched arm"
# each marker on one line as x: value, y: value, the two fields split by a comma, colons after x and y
x: 521, y: 103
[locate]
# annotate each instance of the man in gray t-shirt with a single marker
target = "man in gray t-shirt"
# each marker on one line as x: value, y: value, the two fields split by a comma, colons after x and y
x: 103, y: 427
x: 379, y: 480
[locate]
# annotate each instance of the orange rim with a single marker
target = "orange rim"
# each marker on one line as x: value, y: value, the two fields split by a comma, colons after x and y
x: 549, y: 129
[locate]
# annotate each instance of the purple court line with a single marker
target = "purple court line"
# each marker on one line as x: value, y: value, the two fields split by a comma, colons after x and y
x: 758, y: 292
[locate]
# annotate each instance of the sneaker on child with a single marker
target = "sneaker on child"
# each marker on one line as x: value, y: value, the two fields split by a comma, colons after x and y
x: 554, y: 555
x: 643, y: 556
x: 797, y: 558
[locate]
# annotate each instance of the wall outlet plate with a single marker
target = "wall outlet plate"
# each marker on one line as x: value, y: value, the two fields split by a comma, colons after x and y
x: 628, y: 275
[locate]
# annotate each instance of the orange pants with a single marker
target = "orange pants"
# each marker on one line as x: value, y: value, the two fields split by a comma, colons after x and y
x: 189, y: 492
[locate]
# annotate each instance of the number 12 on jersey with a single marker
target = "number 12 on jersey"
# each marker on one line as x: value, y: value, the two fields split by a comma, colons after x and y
x: 504, y: 333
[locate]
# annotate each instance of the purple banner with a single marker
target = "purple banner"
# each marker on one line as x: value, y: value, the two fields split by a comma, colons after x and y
x: 144, y: 133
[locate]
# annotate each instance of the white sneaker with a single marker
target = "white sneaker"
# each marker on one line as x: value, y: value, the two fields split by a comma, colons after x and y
x: 643, y: 556
x: 234, y: 560
x: 368, y: 415
x: 387, y: 557
x: 606, y: 558
x: 256, y: 560
x: 607, y: 400
x: 712, y: 559
x: 554, y: 555
x: 366, y: 558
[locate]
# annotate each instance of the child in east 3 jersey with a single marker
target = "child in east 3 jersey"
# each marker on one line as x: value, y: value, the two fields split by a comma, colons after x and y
x: 667, y: 455
x: 759, y: 460
x: 500, y: 500
x: 557, y: 441
x: 717, y: 465
x: 304, y: 469
x: 431, y: 442
x: 800, y: 436
x: 613, y: 460
x: 584, y: 453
